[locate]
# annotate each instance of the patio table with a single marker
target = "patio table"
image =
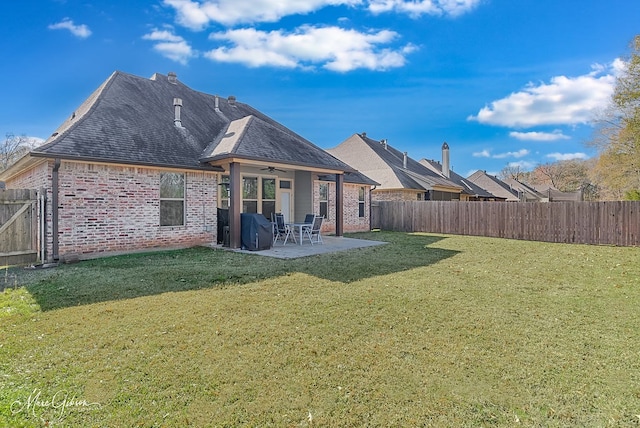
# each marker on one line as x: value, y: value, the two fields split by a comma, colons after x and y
x: 300, y: 227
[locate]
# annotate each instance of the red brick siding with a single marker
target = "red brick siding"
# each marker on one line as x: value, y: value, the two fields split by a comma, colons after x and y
x: 351, y: 219
x: 111, y: 208
x: 394, y: 195
x: 107, y: 208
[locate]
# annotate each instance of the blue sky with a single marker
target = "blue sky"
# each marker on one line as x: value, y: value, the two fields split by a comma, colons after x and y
x: 502, y: 81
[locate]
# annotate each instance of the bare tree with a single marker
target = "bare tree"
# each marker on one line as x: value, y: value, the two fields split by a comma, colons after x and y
x: 566, y: 176
x: 515, y: 172
x: 13, y: 148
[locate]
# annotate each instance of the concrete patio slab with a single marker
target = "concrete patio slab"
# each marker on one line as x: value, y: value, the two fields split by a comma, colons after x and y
x: 331, y: 244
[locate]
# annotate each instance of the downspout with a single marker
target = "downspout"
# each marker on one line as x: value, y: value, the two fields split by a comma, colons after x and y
x: 370, y: 207
x: 42, y: 215
x: 55, y: 186
x: 339, y: 204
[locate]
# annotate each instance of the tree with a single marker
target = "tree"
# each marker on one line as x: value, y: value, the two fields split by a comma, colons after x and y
x: 567, y: 176
x: 13, y: 148
x: 618, y: 140
x: 515, y: 172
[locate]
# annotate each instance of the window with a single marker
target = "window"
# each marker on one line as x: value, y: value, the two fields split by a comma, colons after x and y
x: 250, y: 195
x: 361, y: 200
x: 324, y: 200
x: 224, y: 191
x: 258, y: 194
x: 171, y: 199
x: 268, y: 197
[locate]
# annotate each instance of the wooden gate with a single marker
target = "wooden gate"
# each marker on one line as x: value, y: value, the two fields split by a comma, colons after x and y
x: 375, y: 220
x: 18, y: 227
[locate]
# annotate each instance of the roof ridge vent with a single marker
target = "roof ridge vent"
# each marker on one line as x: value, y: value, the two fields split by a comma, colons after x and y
x: 172, y: 77
x: 231, y: 100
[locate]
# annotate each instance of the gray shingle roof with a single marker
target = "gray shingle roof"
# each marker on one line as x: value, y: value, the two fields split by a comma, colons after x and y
x: 354, y: 177
x: 252, y: 137
x: 130, y: 119
x: 386, y: 165
x: 494, y: 185
x: 468, y: 186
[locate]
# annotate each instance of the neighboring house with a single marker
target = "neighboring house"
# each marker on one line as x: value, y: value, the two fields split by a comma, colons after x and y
x: 525, y: 192
x: 555, y: 195
x: 510, y: 190
x: 401, y: 178
x: 145, y: 163
x: 470, y: 191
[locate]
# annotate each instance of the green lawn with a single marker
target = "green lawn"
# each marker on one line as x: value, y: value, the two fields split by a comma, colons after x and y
x: 428, y: 330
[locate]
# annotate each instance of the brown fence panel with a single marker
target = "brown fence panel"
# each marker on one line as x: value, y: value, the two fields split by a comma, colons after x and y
x: 18, y: 226
x: 600, y: 223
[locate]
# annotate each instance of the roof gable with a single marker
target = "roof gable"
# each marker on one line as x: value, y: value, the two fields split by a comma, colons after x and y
x: 385, y: 164
x: 493, y: 185
x: 254, y: 138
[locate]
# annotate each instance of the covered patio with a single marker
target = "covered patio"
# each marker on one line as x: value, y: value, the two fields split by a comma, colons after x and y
x: 270, y: 169
x: 332, y: 244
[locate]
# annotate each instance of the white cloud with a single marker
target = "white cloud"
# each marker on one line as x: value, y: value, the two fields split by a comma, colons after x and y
x: 519, y: 154
x: 619, y: 67
x: 567, y: 156
x: 416, y: 8
x: 199, y: 13
x: 81, y: 31
x: 162, y: 35
x: 565, y: 100
x: 333, y: 48
x: 523, y: 165
x: 483, y: 154
x: 171, y: 46
x: 539, y: 136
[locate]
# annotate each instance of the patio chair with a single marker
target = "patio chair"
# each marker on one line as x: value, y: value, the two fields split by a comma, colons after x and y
x: 314, y: 230
x: 309, y: 218
x: 282, y: 231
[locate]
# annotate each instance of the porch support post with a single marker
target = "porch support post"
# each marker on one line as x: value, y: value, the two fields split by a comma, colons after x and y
x: 235, y: 207
x: 339, y: 204
x: 55, y: 202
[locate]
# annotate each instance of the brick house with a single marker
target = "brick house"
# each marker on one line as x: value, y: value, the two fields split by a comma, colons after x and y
x: 470, y: 190
x: 509, y: 190
x: 401, y: 178
x: 145, y: 163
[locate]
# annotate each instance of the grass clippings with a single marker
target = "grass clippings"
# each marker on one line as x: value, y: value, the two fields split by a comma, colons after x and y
x: 424, y: 331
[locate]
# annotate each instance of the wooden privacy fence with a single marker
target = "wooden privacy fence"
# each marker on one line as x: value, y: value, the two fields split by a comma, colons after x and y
x: 18, y: 226
x: 606, y: 223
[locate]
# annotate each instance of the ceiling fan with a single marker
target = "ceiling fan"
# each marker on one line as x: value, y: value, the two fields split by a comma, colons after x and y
x: 271, y: 169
